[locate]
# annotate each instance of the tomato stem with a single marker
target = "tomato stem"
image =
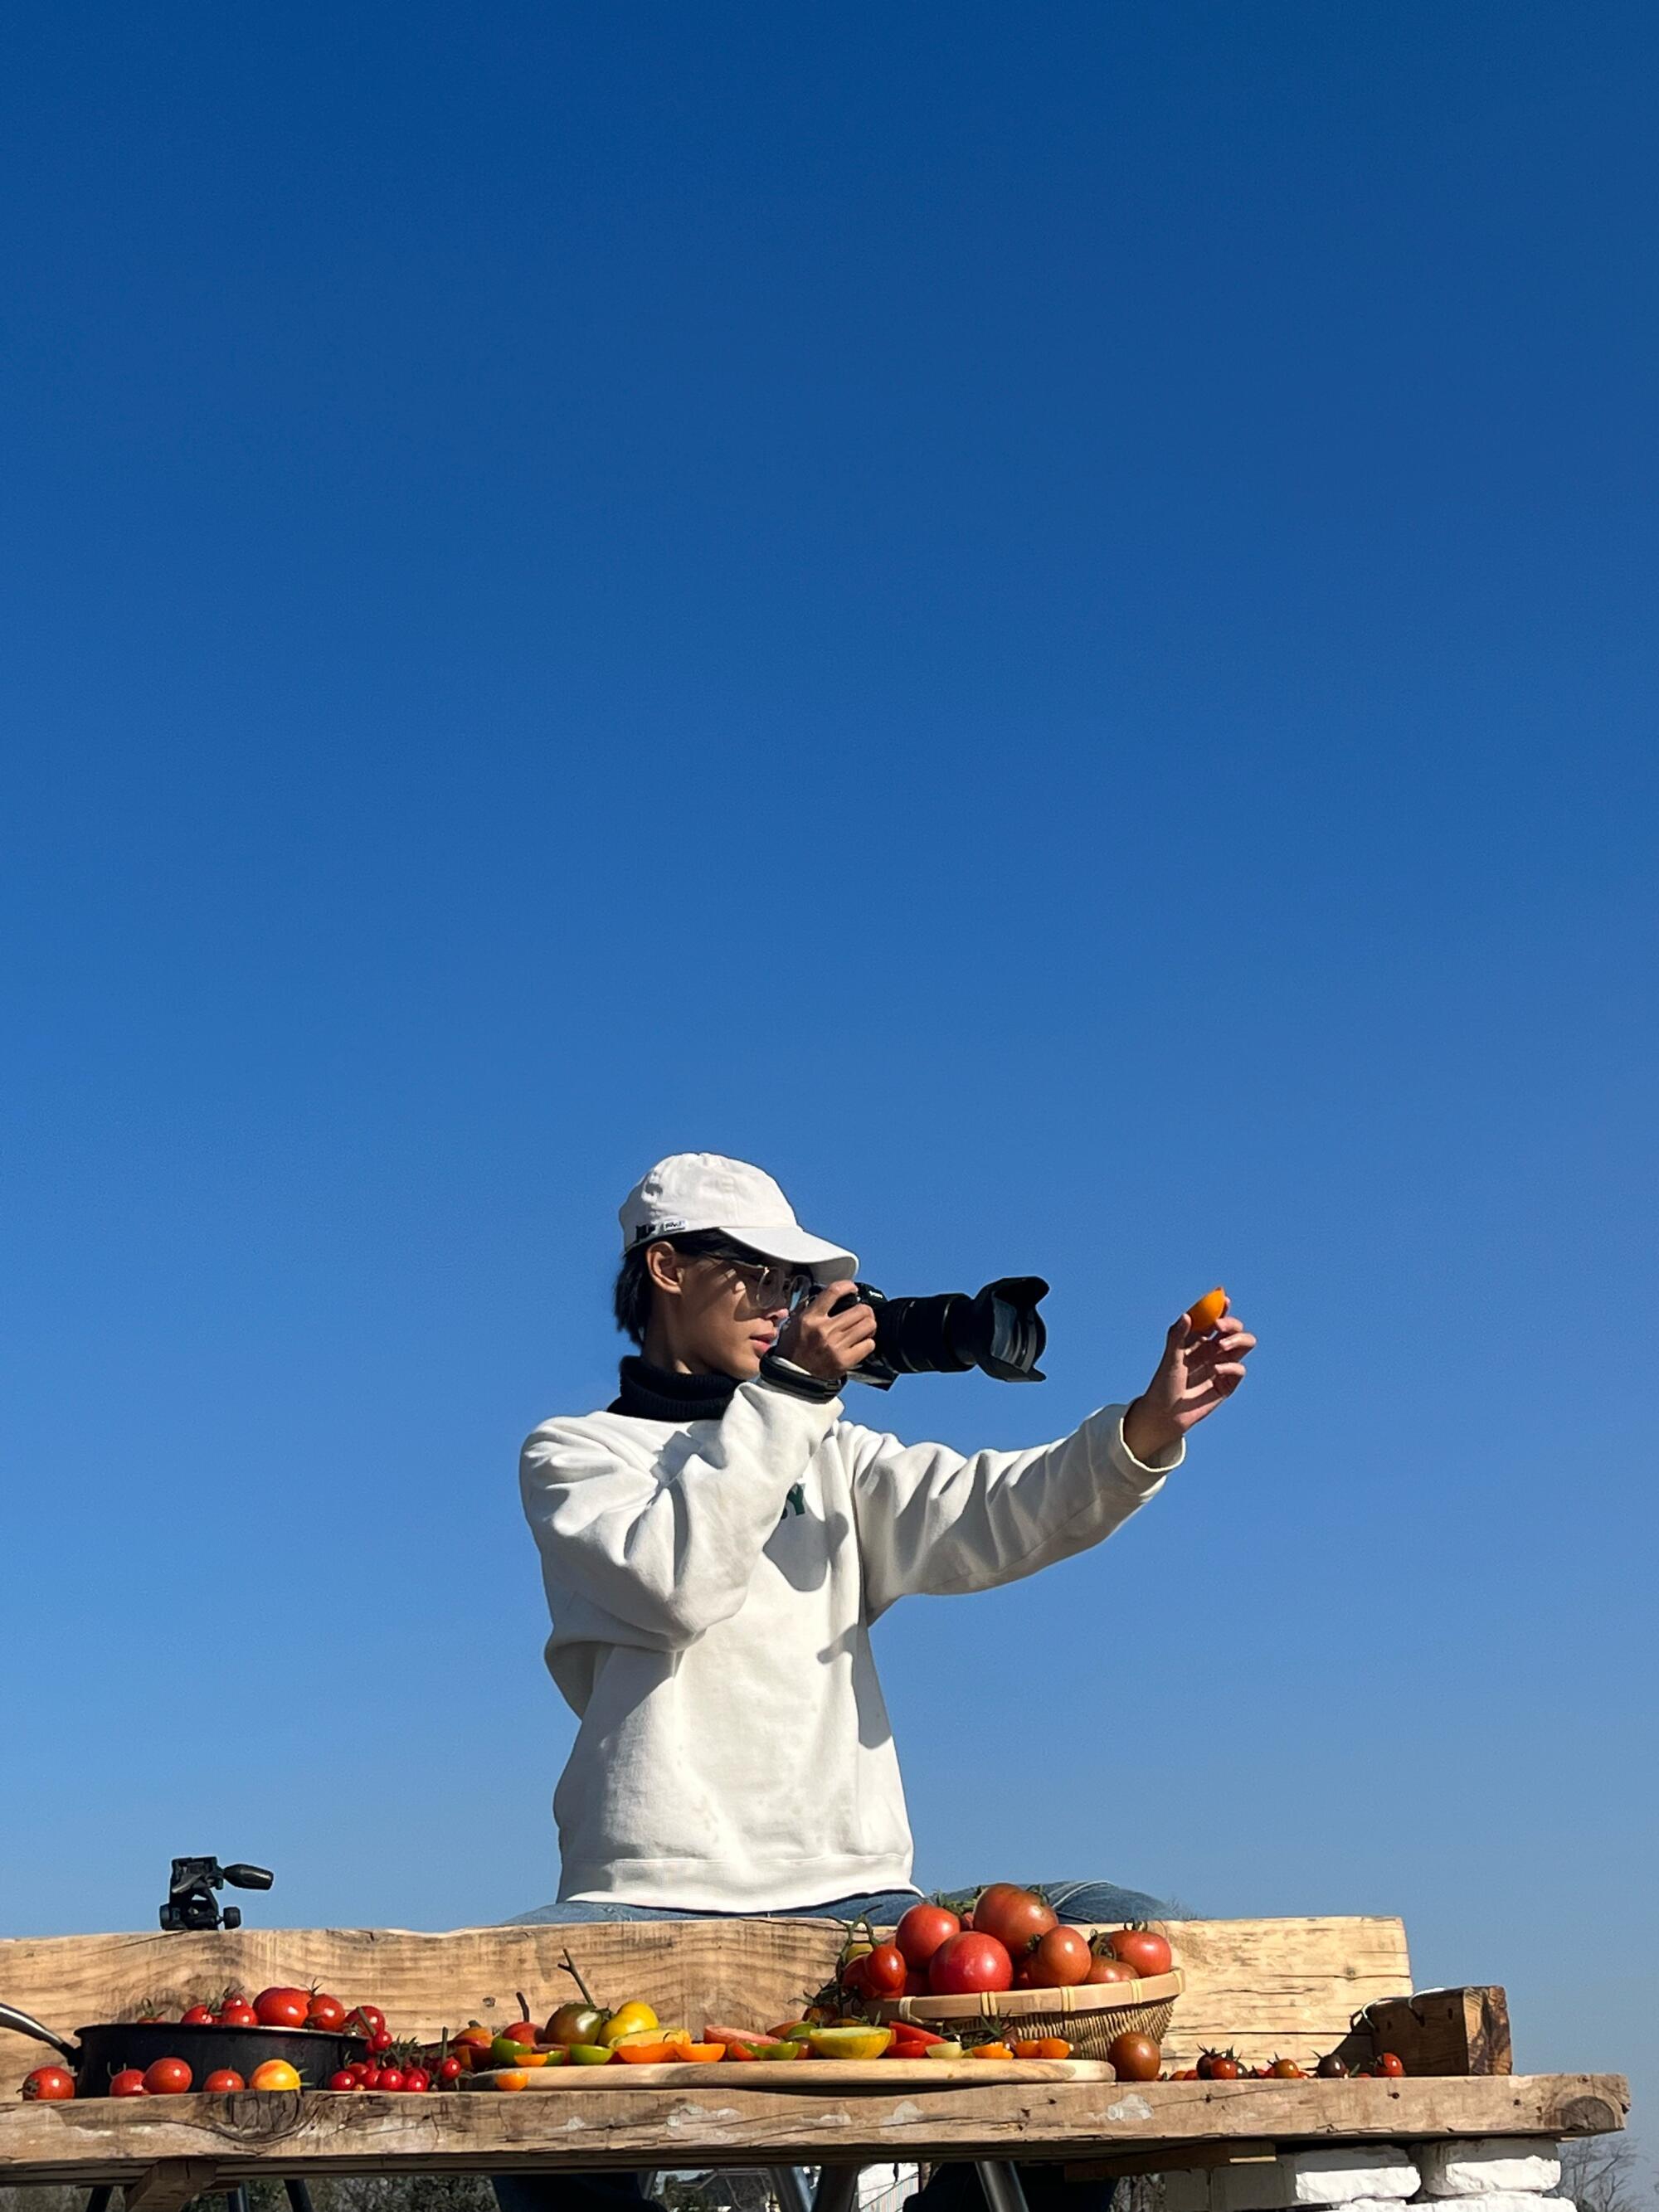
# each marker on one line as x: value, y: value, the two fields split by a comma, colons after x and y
x: 570, y: 1967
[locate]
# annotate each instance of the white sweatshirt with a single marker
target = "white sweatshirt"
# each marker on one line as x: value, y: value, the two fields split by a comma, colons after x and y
x: 711, y: 1630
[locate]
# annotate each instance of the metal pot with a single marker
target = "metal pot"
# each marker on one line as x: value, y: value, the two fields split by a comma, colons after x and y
x: 98, y: 2054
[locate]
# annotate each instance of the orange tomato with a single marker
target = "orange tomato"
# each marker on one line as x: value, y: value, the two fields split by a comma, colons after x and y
x: 645, y: 2054
x: 701, y: 2054
x: 275, y: 2074
x: 1208, y: 1311
x: 513, y: 2077
x: 990, y: 2050
x: 1043, y: 2047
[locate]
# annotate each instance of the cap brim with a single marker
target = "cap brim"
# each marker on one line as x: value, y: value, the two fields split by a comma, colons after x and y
x: 789, y: 1242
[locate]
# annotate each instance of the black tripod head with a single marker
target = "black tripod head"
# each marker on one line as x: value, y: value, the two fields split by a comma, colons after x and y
x: 191, y: 1901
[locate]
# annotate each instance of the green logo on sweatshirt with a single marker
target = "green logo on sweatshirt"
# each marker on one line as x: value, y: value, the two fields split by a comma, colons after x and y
x: 795, y: 1503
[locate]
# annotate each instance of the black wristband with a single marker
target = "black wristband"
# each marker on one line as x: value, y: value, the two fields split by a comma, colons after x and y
x: 797, y: 1382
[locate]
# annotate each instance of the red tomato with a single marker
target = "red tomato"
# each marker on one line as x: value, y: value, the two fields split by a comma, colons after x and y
x: 282, y: 2008
x: 1388, y: 2067
x: 380, y: 2040
x: 417, y: 2078
x: 370, y: 2077
x: 450, y: 2068
x: 167, y: 2077
x: 222, y: 2081
x: 128, y: 2082
x: 921, y: 1931
x: 391, y: 2077
x: 1135, y: 2056
x: 855, y: 1976
x: 916, y: 1981
x: 1224, y: 2068
x: 1015, y: 1916
x: 325, y: 2011
x: 237, y: 2012
x: 1111, y: 1970
x: 50, y: 2085
x: 199, y: 2015
x: 1140, y: 1948
x: 884, y: 1971
x: 345, y: 2078
x: 364, y: 2019
x: 968, y: 1962
x: 1062, y: 1959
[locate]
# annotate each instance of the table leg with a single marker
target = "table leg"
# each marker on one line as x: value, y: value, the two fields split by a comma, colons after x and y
x: 1004, y: 2190
x: 790, y: 2183
x: 837, y: 2190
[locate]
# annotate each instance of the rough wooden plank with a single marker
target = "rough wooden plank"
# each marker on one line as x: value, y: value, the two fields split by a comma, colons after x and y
x: 1265, y: 1985
x: 1265, y: 1988
x: 312, y: 2134
x: 1445, y: 2030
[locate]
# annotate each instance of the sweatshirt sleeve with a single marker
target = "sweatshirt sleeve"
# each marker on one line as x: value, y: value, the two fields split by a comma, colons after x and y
x: 670, y: 1549
x: 932, y: 1522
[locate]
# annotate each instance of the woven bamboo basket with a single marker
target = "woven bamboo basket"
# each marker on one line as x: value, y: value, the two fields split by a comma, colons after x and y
x: 1088, y: 2017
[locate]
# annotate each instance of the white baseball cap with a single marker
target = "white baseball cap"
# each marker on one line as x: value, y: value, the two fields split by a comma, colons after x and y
x: 703, y: 1190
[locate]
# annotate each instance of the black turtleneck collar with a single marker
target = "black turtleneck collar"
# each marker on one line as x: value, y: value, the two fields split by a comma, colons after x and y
x: 656, y: 1393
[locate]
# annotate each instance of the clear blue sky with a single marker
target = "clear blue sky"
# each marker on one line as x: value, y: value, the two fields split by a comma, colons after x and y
x: 1044, y: 620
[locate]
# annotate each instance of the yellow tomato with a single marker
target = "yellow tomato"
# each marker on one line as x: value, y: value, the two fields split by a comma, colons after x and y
x: 635, y: 2019
x: 275, y: 2074
x: 849, y: 2042
x: 513, y: 2077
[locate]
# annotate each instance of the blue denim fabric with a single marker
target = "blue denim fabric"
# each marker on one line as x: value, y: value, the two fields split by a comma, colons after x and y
x: 1080, y: 1902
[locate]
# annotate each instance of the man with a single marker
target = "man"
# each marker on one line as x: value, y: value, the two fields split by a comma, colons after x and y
x: 716, y: 1545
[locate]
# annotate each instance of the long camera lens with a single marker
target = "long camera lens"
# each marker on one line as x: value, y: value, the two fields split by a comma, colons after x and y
x: 1000, y: 1331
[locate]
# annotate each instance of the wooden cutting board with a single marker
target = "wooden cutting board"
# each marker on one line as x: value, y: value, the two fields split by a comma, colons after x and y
x: 830, y: 2076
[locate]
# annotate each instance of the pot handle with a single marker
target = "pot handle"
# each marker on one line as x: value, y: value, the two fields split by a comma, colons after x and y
x: 22, y: 2023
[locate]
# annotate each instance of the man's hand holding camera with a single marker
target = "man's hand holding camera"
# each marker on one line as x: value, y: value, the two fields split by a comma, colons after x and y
x: 827, y: 1344
x: 1195, y: 1377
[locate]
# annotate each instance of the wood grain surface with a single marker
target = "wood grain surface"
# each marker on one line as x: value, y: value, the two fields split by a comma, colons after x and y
x: 1445, y: 2030
x: 1265, y: 1986
x: 310, y: 2133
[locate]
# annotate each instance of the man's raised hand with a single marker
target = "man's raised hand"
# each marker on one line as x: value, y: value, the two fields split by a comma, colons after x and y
x: 830, y: 1345
x: 1193, y: 1378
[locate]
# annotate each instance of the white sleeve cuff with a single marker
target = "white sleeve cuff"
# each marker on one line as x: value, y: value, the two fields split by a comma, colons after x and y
x: 1152, y: 1470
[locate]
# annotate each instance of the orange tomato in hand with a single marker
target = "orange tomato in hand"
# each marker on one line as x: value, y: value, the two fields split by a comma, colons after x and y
x: 1207, y: 1311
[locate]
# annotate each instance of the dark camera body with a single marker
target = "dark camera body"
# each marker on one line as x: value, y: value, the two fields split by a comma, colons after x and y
x: 999, y: 1331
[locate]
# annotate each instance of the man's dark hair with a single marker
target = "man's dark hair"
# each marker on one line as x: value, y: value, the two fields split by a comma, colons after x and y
x: 631, y: 1299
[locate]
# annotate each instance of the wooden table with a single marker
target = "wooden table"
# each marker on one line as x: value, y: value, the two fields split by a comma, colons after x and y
x: 168, y: 2150
x: 1299, y: 1986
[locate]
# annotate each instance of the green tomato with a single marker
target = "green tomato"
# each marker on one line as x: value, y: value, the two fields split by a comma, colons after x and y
x: 590, y: 2054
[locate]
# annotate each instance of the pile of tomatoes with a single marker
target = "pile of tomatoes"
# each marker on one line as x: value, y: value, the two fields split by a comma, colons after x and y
x: 1011, y: 1939
x: 279, y: 2007
x: 1227, y: 2066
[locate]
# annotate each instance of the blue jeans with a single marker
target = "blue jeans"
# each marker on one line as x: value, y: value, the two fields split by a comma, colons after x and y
x: 952, y: 2188
x: 1080, y: 1902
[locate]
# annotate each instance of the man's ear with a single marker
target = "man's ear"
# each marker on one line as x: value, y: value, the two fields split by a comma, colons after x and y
x: 663, y: 1265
